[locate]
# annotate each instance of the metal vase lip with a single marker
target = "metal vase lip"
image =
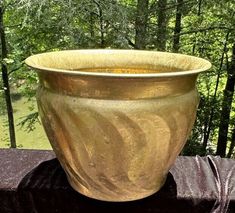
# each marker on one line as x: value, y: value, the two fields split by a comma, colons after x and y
x: 100, y: 59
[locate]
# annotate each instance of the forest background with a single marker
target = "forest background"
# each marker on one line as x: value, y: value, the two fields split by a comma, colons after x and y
x: 203, y: 28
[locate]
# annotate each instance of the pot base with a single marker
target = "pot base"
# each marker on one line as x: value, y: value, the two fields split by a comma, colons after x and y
x: 121, y: 198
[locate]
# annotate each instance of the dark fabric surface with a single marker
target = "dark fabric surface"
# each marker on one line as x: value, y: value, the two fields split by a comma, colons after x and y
x: 194, y: 184
x: 16, y: 163
x: 206, y: 178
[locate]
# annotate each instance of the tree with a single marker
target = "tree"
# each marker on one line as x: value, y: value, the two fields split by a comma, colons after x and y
x: 177, y: 29
x: 209, y: 121
x: 141, y: 24
x: 232, y: 145
x: 5, y: 80
x: 199, y: 16
x: 161, y: 25
x: 226, y: 107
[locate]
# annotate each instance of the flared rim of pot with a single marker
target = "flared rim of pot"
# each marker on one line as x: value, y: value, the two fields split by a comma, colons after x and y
x: 118, y: 63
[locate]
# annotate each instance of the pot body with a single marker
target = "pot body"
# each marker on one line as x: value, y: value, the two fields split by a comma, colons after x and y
x: 116, y: 138
x: 117, y: 119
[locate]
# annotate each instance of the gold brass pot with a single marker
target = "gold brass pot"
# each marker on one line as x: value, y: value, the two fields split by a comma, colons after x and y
x: 117, y: 119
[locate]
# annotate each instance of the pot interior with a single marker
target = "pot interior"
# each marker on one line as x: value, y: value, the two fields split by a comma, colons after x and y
x: 127, y: 70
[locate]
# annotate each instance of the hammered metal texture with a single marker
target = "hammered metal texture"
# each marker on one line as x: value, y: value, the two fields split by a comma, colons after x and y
x: 117, y: 137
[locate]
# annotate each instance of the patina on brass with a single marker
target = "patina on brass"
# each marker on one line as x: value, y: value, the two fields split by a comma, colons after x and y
x: 117, y: 119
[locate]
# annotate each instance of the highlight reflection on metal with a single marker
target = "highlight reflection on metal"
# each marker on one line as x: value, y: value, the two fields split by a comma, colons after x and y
x: 117, y: 119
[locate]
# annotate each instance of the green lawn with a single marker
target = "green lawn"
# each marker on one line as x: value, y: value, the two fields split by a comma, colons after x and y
x: 35, y: 139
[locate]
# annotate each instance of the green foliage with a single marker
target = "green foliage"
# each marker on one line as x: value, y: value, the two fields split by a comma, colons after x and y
x: 2, y: 103
x: 33, y: 26
x: 28, y: 122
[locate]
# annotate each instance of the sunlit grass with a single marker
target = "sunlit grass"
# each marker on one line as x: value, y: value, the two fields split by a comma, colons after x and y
x: 35, y: 139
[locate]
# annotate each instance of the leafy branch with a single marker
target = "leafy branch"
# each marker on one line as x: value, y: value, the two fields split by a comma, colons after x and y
x: 29, y: 121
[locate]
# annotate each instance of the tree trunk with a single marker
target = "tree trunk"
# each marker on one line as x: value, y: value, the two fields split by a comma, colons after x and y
x: 226, y: 108
x: 161, y: 25
x: 141, y: 23
x: 101, y: 23
x: 232, y: 145
x: 199, y: 12
x: 6, y: 83
x: 92, y: 31
x: 177, y: 29
x: 102, y: 42
x: 209, y: 121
